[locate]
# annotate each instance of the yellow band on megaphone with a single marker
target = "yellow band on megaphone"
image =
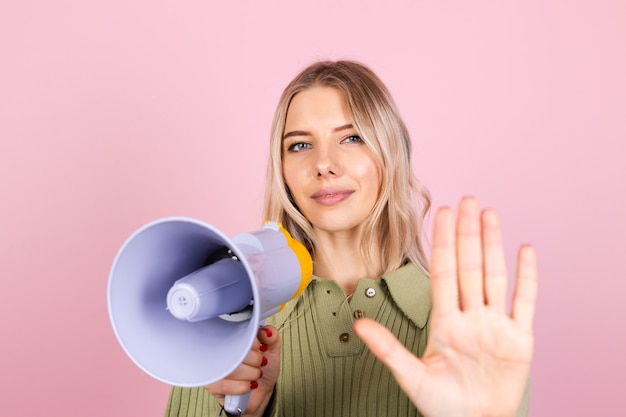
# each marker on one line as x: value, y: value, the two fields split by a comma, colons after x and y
x: 304, y: 258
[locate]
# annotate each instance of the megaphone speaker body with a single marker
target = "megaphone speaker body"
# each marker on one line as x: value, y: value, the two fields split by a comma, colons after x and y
x: 186, y: 302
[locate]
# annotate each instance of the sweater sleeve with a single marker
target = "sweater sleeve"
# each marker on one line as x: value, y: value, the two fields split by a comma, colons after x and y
x: 191, y: 402
x: 524, y: 408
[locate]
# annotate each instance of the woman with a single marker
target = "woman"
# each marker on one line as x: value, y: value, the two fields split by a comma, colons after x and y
x: 340, y: 180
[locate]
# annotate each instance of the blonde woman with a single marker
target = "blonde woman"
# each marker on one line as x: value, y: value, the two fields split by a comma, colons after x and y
x: 376, y: 334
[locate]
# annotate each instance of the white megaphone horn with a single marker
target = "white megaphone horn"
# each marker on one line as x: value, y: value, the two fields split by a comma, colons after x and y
x: 186, y: 302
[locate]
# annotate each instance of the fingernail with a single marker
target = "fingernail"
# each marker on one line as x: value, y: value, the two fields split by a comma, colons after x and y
x: 261, y: 376
x: 254, y: 385
x: 267, y: 331
x: 263, y: 347
x: 264, y: 361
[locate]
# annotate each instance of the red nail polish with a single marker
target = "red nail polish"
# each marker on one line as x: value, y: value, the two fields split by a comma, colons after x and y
x: 254, y: 385
x: 267, y: 331
x: 263, y: 347
x: 261, y: 376
x: 264, y: 361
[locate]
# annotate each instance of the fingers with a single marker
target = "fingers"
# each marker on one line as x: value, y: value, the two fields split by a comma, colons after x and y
x: 525, y: 294
x: 250, y: 369
x: 468, y: 267
x: 443, y: 265
x: 246, y: 376
x: 494, y: 262
x: 243, y: 379
x: 268, y: 335
x: 469, y: 254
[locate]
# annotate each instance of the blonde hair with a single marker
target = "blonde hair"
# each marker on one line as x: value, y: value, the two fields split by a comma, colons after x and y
x: 393, y: 226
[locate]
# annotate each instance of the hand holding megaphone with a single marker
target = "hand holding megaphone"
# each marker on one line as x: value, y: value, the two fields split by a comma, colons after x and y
x: 257, y: 375
x: 186, y: 302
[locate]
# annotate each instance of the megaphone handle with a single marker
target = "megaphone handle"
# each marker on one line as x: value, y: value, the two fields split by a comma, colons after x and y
x: 236, y: 404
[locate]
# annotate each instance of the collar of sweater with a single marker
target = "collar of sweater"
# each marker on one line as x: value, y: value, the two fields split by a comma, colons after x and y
x: 408, y: 286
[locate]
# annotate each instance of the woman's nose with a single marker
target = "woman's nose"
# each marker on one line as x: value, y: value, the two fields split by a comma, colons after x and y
x: 326, y: 162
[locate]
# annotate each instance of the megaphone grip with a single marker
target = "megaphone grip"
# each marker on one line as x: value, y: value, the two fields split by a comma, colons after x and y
x: 236, y: 404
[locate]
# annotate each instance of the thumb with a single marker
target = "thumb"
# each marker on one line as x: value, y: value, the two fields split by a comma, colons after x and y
x: 406, y: 368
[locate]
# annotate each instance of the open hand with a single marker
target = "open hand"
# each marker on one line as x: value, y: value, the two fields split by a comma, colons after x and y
x: 478, y: 355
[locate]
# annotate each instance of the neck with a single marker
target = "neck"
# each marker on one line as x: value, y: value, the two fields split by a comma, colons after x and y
x: 338, y: 258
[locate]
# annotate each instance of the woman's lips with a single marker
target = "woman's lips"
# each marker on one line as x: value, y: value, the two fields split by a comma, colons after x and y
x: 331, y: 197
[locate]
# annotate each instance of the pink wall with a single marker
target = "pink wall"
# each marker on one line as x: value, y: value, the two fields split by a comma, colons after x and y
x: 116, y: 113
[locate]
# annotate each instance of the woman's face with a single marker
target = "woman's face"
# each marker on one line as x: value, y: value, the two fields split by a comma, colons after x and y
x: 332, y: 174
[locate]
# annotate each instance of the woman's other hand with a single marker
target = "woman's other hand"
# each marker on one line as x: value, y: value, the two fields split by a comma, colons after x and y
x: 478, y: 355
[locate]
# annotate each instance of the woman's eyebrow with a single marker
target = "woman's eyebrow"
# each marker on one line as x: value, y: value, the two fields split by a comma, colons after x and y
x: 344, y: 127
x: 296, y: 133
x: 305, y: 133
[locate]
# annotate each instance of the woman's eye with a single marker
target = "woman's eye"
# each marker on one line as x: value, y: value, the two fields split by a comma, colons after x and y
x: 298, y: 146
x: 353, y: 139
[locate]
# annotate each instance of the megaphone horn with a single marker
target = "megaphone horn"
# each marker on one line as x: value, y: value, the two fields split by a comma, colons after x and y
x: 186, y: 302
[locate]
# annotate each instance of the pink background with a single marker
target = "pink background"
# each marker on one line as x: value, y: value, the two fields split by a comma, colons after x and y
x: 116, y: 113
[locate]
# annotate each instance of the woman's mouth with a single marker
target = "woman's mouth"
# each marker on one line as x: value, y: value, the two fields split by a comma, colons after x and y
x: 331, y: 197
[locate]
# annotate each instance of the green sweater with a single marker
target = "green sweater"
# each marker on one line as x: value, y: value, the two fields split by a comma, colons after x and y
x: 325, y: 368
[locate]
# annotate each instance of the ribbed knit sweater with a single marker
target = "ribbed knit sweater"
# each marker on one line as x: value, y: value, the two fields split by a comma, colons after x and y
x: 326, y: 370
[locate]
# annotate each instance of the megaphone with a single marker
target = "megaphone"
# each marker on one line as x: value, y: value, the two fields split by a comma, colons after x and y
x: 186, y: 302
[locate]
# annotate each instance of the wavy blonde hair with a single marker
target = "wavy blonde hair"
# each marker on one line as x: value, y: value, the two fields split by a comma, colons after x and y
x: 394, y: 226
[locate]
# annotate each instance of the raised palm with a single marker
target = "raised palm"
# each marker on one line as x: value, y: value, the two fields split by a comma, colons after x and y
x: 478, y: 355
